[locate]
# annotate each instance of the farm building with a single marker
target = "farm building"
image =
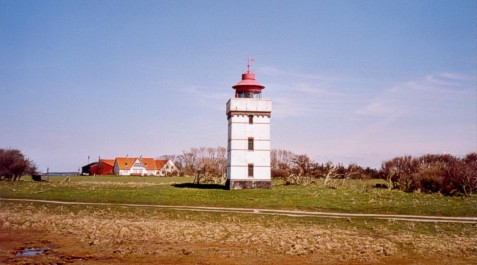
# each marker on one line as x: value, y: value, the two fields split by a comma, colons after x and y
x: 86, y: 169
x: 133, y: 166
x: 130, y: 166
x: 103, y: 167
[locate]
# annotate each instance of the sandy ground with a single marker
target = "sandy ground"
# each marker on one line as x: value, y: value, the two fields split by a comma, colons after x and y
x: 112, y: 236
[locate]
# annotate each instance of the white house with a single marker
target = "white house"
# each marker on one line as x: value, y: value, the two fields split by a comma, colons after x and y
x: 133, y: 166
x: 166, y: 167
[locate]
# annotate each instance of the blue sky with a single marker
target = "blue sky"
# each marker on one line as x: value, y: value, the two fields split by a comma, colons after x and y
x: 351, y: 81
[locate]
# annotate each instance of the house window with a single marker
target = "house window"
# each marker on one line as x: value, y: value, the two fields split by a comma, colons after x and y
x: 250, y: 119
x: 250, y: 143
x: 250, y: 170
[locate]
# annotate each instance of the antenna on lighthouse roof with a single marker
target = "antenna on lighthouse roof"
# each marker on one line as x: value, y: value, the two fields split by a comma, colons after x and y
x: 248, y: 64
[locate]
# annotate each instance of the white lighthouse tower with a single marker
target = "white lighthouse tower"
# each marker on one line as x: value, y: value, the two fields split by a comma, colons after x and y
x: 248, y: 151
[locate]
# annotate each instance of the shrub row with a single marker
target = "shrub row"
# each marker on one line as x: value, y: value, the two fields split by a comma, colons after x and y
x: 430, y: 173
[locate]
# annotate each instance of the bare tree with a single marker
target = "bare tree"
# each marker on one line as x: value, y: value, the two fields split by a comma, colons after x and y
x: 281, y: 158
x: 13, y: 165
x: 207, y: 164
x: 463, y: 174
x: 399, y: 172
x: 331, y: 174
x: 302, y: 165
x: 188, y: 160
x: 469, y: 180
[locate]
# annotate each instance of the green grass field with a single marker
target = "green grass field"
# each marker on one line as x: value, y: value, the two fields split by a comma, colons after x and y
x: 354, y: 196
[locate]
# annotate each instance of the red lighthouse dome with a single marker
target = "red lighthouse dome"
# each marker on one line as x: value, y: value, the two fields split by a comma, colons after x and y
x: 248, y: 87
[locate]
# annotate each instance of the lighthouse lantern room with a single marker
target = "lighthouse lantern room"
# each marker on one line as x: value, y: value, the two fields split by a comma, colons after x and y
x: 248, y: 149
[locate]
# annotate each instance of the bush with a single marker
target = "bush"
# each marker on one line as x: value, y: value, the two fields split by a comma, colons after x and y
x: 13, y: 165
x: 430, y: 184
x: 432, y: 173
x: 280, y: 174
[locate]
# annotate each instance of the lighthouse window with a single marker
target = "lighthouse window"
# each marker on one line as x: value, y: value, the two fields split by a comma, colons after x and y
x: 250, y: 119
x: 250, y: 170
x: 240, y: 94
x: 250, y: 143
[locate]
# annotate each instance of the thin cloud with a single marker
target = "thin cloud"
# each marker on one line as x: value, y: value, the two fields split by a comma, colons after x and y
x: 203, y: 97
x: 275, y: 72
x: 304, y: 100
x: 301, y: 94
x: 312, y: 90
x: 415, y: 109
x: 454, y: 76
x: 198, y: 92
x: 430, y: 94
x: 269, y: 70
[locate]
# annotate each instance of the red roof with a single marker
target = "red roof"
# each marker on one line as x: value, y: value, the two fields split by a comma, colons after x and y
x: 148, y: 163
x: 160, y: 163
x: 107, y: 161
x: 248, y: 83
x: 125, y: 163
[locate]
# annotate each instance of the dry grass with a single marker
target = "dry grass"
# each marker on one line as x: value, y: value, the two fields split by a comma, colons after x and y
x: 124, y: 232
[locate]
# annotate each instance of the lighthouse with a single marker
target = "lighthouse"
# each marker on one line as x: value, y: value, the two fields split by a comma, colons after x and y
x: 248, y: 148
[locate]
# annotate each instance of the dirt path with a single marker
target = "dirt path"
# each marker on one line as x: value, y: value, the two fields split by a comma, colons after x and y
x: 292, y: 213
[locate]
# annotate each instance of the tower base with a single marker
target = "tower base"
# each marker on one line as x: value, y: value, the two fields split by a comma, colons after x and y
x: 248, y: 184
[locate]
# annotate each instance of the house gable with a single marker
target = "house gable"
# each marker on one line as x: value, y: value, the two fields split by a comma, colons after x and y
x: 166, y: 166
x: 122, y: 165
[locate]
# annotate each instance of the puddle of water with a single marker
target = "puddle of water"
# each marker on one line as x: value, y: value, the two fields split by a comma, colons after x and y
x: 30, y: 252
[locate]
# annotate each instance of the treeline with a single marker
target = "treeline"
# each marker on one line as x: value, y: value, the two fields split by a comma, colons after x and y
x: 430, y: 173
x: 207, y: 164
x: 300, y: 169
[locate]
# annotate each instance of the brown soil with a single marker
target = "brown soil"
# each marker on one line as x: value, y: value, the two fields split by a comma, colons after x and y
x: 108, y: 236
